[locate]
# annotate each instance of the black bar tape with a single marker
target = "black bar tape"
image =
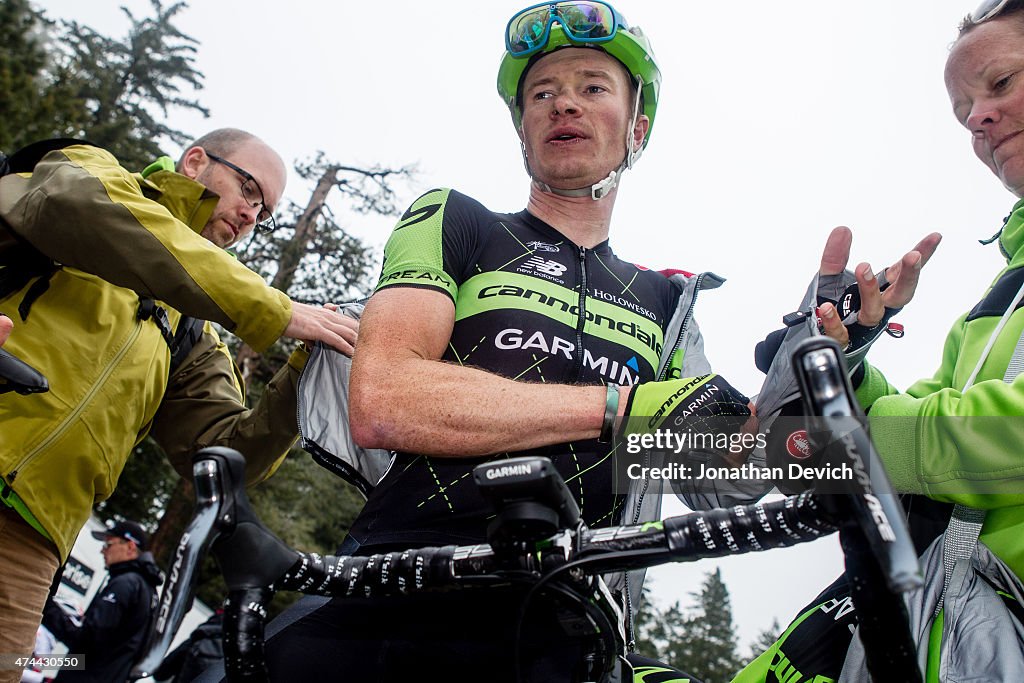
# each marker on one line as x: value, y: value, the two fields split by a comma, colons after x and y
x: 748, y: 528
x: 395, y: 573
x: 244, y: 617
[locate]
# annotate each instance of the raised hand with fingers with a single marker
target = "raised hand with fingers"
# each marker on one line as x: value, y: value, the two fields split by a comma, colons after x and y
x: 855, y: 308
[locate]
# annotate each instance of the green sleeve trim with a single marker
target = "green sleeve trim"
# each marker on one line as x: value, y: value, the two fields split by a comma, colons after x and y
x: 414, y: 254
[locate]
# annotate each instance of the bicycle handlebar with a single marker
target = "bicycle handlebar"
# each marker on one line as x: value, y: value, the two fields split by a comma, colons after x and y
x: 697, y: 536
x: 255, y: 563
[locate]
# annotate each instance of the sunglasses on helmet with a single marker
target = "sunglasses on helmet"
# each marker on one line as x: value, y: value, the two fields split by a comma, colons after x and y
x: 989, y: 9
x: 585, y: 21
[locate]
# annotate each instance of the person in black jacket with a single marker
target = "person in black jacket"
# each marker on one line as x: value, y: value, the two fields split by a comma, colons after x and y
x: 117, y: 620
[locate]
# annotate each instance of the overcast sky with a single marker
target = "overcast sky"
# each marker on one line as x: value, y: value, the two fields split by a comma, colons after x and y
x: 777, y: 122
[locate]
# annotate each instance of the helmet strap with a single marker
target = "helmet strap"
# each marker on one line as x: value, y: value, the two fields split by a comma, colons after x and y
x: 632, y: 153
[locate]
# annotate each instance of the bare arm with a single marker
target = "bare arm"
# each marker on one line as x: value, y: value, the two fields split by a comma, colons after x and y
x: 404, y: 397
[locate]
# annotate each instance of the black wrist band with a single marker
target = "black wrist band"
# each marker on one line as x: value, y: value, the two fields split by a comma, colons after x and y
x: 611, y: 410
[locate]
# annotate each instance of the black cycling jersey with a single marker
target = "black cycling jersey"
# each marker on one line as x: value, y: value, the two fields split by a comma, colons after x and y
x: 529, y: 305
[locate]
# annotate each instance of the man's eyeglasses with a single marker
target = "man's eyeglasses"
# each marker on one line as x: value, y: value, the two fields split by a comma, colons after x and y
x: 586, y: 21
x: 117, y: 540
x: 989, y: 9
x: 251, y: 193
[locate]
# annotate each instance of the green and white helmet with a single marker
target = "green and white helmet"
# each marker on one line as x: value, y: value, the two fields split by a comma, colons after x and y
x: 544, y: 28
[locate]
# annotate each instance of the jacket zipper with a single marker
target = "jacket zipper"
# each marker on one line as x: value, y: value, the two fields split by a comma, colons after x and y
x: 630, y: 638
x: 582, y: 319
x: 67, y: 421
x: 682, y: 328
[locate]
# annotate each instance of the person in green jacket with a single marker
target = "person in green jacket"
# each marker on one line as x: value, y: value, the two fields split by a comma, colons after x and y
x: 941, y: 437
x: 130, y: 255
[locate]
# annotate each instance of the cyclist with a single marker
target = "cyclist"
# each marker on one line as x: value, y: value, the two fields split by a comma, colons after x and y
x: 946, y: 446
x: 491, y: 334
x: 117, y: 246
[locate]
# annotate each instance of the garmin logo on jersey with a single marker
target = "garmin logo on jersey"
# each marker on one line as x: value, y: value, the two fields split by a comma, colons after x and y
x: 666, y: 406
x: 508, y: 471
x: 421, y: 214
x: 625, y: 303
x: 628, y: 328
x: 621, y: 373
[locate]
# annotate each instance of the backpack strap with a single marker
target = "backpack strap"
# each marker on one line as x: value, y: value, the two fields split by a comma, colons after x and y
x: 180, y: 341
x: 964, y: 528
x: 185, y: 338
x: 26, y: 158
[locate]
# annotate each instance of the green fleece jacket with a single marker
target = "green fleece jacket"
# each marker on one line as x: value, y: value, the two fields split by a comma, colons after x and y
x: 119, y: 236
x: 965, y: 446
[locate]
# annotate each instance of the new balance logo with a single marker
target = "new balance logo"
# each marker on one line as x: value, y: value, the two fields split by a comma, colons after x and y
x: 541, y: 265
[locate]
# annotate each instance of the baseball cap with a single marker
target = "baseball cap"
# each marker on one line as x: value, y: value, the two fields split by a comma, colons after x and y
x: 128, y: 530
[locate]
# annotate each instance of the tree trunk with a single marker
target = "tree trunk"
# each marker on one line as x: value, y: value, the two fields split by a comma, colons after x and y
x: 249, y: 361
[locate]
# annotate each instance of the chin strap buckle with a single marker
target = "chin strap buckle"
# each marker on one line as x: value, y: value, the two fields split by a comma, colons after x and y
x: 601, y: 189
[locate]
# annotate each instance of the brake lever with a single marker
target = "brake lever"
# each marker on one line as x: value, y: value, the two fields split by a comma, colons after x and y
x: 252, y: 560
x: 17, y: 375
x: 877, y: 544
x: 206, y: 525
x: 821, y: 371
x: 224, y: 521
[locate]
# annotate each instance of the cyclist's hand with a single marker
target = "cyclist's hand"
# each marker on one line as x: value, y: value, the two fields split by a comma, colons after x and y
x: 707, y: 408
x: 877, y: 305
x: 311, y: 324
x: 6, y: 324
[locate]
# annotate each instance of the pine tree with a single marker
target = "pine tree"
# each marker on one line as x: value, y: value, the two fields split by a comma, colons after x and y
x: 33, y: 105
x: 702, y: 640
x: 765, y: 639
x: 63, y: 79
x: 647, y: 626
x: 128, y: 86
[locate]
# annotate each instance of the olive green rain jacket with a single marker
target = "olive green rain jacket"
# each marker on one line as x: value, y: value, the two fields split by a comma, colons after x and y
x: 117, y: 236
